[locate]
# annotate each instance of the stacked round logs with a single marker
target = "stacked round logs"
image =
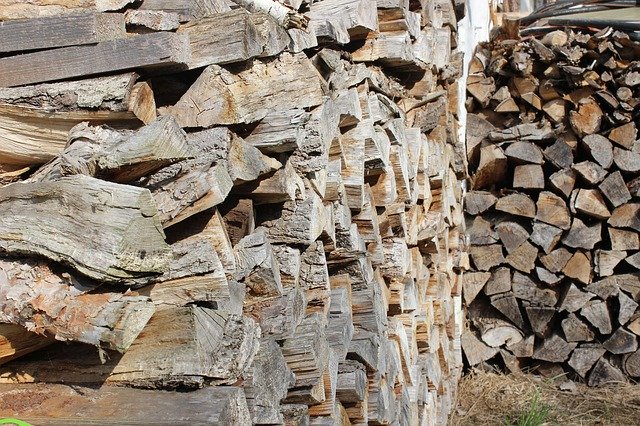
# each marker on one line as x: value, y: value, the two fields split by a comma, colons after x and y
x: 553, y: 214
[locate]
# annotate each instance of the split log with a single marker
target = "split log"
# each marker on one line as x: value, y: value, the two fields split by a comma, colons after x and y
x: 511, y: 234
x: 607, y: 260
x: 627, y: 161
x: 579, y: 267
x: 626, y: 216
x: 591, y: 172
x: 623, y: 239
x: 605, y: 373
x: 575, y: 330
x: 552, y: 209
x: 597, y: 313
x: 517, y: 204
x: 574, y: 298
x: 231, y: 37
x: 540, y: 318
x: 473, y: 283
x: 614, y: 189
x: 554, y: 349
x: 560, y: 154
x: 546, y: 236
x: 266, y: 383
x: 523, y: 258
x: 192, y: 334
x: 600, y: 149
x: 492, y: 167
x: 486, y: 257
x: 343, y: 21
x: 621, y: 342
x: 499, y: 282
x: 563, y: 180
x: 585, y: 357
x: 583, y: 236
x: 528, y: 176
x: 194, y: 185
x: 590, y: 202
x: 220, y: 96
x: 128, y: 215
x: 477, y: 202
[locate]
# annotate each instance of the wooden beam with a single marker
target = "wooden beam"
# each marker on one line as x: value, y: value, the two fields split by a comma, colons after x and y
x: 60, y: 31
x: 140, y: 51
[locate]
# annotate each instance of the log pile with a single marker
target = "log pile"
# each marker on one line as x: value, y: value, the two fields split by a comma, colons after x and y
x: 249, y: 208
x: 553, y: 210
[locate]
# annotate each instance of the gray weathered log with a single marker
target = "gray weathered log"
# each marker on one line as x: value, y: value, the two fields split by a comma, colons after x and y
x: 59, y: 219
x: 72, y: 405
x: 145, y: 50
x: 121, y: 156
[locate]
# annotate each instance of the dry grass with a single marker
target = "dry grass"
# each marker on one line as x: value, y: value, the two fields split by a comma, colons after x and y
x: 496, y: 399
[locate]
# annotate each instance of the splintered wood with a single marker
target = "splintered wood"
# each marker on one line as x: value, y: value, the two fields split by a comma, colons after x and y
x: 249, y: 208
x: 553, y: 214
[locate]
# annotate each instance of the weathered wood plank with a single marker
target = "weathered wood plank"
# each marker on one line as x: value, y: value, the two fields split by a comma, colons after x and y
x: 141, y: 51
x: 60, y: 31
x: 72, y: 405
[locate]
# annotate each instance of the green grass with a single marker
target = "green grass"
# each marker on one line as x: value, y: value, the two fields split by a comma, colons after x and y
x: 536, y: 414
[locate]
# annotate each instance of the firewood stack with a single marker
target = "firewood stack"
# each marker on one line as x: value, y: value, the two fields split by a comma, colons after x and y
x: 213, y: 214
x: 553, y: 211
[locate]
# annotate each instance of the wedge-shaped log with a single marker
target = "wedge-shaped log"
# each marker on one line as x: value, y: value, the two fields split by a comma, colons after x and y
x: 307, y: 354
x: 212, y: 346
x: 342, y: 21
x: 72, y: 405
x: 257, y: 266
x: 248, y: 93
x: 107, y: 231
x: 58, y: 305
x: 141, y: 51
x: 120, y: 156
x: 299, y: 222
x: 194, y: 185
x: 266, y: 383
